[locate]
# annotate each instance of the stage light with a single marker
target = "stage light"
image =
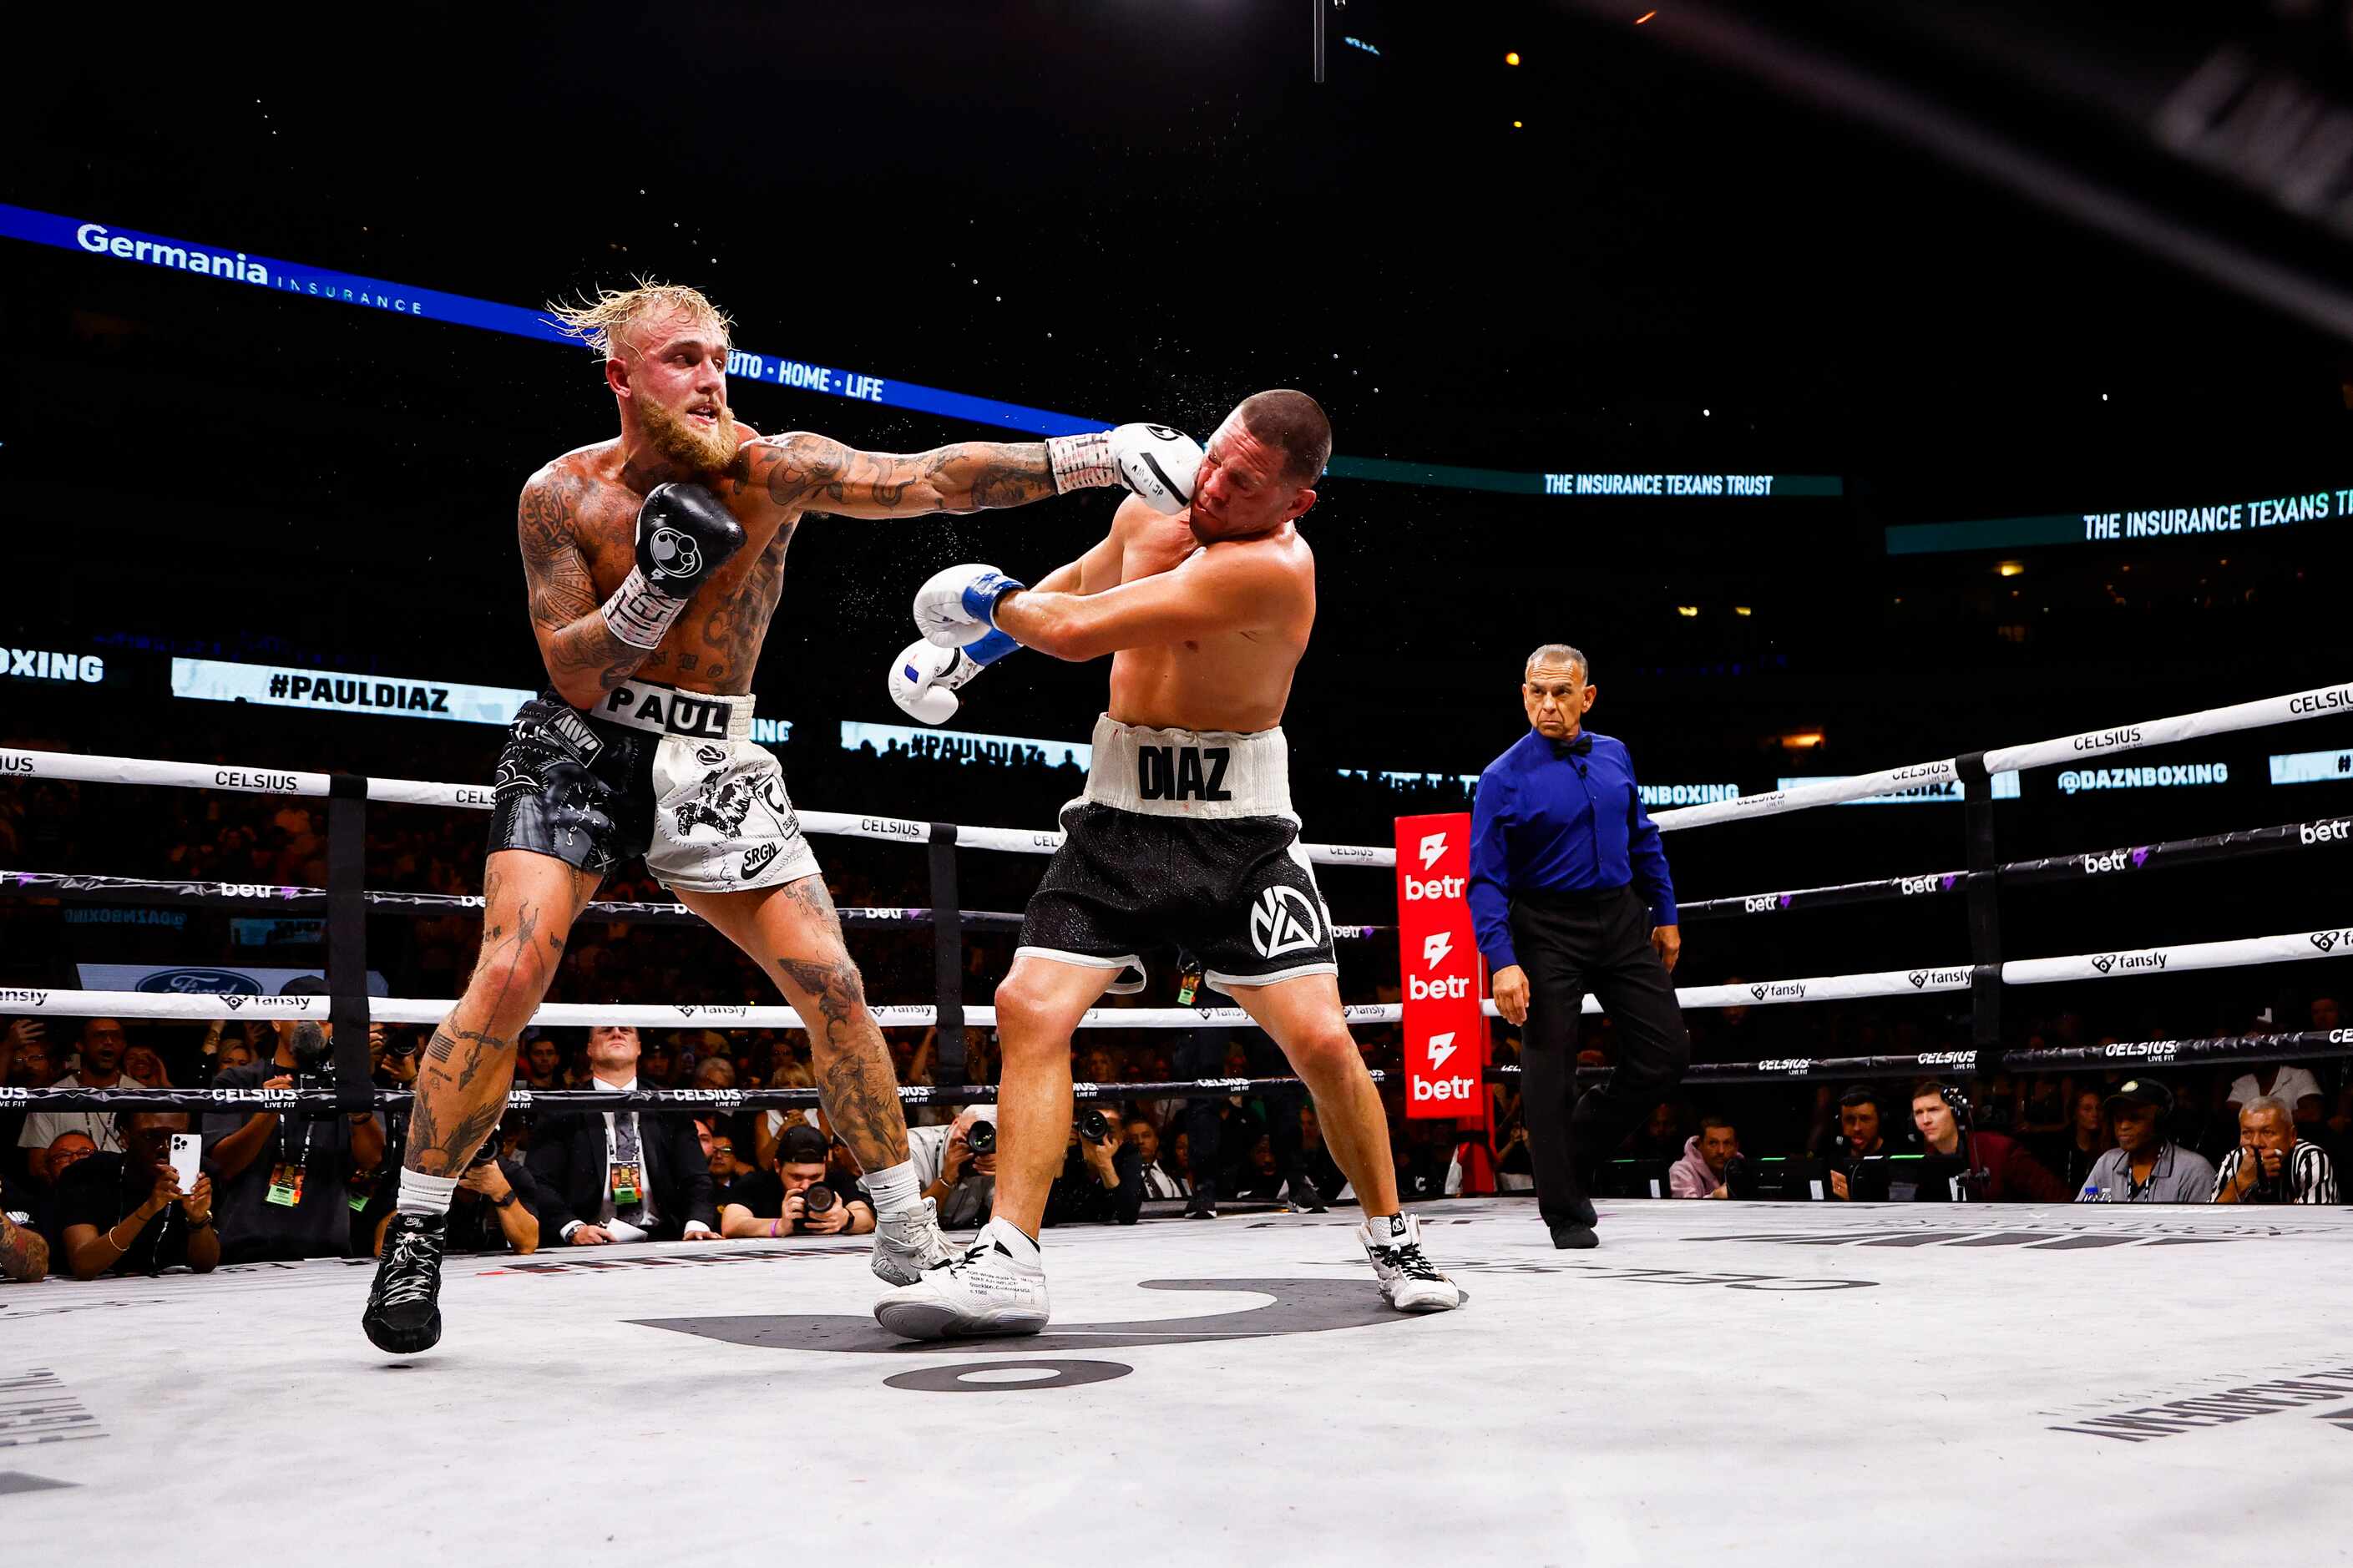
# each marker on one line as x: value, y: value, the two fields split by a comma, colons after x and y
x: 2012, y: 569
x: 1688, y: 612
x: 1511, y: 59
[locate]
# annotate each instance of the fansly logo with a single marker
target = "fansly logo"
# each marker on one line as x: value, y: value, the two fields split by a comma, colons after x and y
x: 1284, y: 920
x: 2327, y: 939
x: 2104, y: 961
x: 1923, y: 978
x: 2337, y: 832
x: 1778, y: 988
x: 26, y: 999
x: 1792, y: 1065
x: 710, y: 756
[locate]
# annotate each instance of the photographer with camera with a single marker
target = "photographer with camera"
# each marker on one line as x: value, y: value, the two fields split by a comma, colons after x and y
x: 2271, y: 1165
x: 1102, y: 1175
x: 796, y: 1198
x: 957, y: 1165
x: 285, y: 1179
x: 617, y: 1175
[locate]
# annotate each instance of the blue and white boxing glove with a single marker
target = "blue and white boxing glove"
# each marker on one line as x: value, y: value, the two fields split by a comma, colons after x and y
x: 924, y: 679
x: 959, y: 605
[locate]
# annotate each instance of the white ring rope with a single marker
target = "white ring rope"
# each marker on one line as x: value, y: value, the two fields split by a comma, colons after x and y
x: 2294, y: 706
x: 2236, y: 953
x: 2320, y: 702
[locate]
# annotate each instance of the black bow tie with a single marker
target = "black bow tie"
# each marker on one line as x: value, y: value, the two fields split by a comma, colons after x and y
x: 1564, y: 750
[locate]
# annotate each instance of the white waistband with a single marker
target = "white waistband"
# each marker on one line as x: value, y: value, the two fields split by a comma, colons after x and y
x: 666, y: 711
x: 1207, y: 775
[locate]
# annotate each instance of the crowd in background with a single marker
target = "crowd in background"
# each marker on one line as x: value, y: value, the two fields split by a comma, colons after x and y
x: 2052, y: 1129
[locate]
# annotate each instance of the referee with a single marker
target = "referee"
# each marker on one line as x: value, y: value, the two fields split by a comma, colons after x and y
x: 1569, y: 893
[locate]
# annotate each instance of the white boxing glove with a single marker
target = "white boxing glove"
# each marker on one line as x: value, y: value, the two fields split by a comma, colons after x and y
x: 1152, y: 461
x: 959, y: 605
x: 924, y: 677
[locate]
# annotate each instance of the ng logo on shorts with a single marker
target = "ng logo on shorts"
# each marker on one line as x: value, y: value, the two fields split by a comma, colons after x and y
x: 1284, y: 920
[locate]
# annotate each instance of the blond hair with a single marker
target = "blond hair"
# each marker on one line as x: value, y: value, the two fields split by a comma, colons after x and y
x: 601, y: 321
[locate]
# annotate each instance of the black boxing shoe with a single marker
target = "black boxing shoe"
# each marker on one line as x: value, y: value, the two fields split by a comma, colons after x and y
x: 403, y: 1310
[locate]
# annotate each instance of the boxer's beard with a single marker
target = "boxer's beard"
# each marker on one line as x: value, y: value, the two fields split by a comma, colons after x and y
x: 682, y: 441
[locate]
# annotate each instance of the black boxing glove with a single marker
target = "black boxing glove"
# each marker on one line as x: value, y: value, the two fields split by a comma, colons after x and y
x: 684, y: 536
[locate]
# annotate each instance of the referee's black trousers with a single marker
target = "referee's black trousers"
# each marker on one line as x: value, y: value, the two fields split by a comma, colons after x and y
x: 1571, y: 943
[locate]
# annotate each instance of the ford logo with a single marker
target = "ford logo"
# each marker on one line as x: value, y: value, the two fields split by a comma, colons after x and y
x: 201, y: 981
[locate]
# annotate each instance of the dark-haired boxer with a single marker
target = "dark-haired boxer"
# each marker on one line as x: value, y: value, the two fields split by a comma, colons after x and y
x: 653, y: 563
x: 1185, y: 836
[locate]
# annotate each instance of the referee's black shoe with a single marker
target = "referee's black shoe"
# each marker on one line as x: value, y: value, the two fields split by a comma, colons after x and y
x: 1205, y: 1201
x: 403, y: 1310
x: 1302, y: 1194
x: 1575, y: 1238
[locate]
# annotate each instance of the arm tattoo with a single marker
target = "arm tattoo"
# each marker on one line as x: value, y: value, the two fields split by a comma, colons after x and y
x: 812, y: 473
x: 563, y: 596
x: 23, y: 1252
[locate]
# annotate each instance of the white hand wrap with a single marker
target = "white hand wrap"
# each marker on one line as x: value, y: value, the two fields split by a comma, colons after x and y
x: 1081, y: 462
x: 638, y: 613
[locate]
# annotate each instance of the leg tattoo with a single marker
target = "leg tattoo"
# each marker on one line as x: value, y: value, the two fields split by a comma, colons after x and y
x: 855, y: 1081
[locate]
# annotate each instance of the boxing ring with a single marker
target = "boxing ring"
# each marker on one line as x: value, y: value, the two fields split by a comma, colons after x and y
x: 1788, y: 1380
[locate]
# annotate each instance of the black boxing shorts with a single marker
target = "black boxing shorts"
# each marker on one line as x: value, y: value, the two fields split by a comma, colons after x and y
x: 1184, y: 838
x: 671, y: 775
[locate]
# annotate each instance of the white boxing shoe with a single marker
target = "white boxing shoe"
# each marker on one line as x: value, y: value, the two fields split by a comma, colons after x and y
x: 907, y: 1243
x: 996, y: 1286
x: 1410, y: 1281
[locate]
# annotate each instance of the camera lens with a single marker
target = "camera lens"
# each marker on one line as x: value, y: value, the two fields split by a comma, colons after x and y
x: 403, y: 1045
x: 1094, y: 1125
x: 485, y: 1154
x: 819, y: 1199
x: 981, y: 1138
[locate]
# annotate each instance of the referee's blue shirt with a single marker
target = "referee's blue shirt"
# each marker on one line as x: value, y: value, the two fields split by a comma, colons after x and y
x: 1550, y: 817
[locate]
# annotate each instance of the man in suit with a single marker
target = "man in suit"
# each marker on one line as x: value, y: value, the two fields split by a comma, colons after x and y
x: 618, y: 1175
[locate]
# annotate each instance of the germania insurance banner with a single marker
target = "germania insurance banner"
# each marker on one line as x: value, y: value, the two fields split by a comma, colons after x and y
x: 1444, y: 1034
